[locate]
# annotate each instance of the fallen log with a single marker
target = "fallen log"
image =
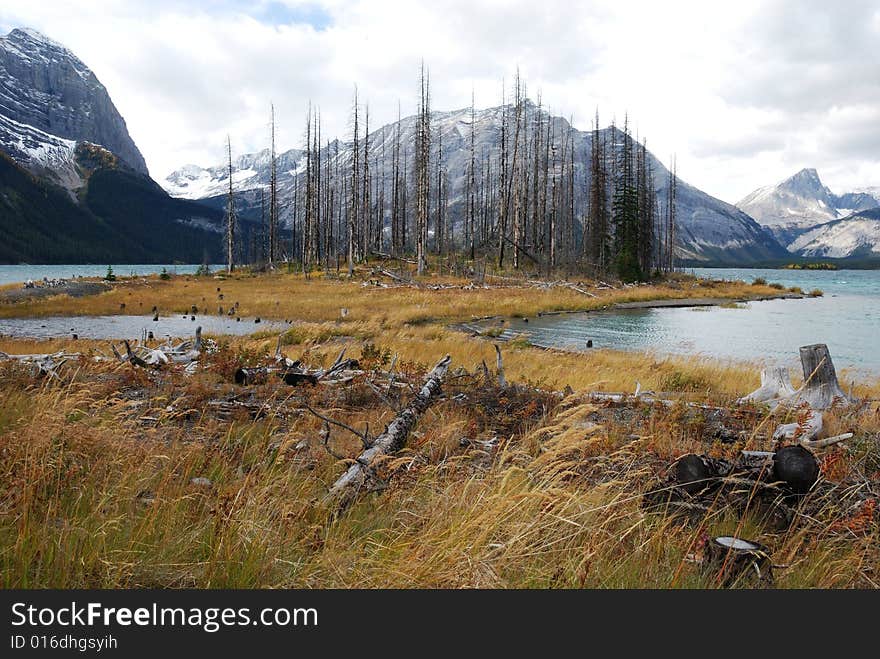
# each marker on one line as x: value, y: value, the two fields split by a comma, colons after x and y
x: 397, y: 278
x: 797, y: 467
x: 347, y: 486
x: 295, y: 378
x: 44, y: 365
x: 693, y: 473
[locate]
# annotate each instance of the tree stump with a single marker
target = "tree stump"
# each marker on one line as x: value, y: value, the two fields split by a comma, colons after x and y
x: 736, y: 561
x: 775, y: 384
x: 821, y: 387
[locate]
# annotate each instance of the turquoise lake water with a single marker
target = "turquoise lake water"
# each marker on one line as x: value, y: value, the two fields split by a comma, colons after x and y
x: 847, y: 318
x: 10, y: 274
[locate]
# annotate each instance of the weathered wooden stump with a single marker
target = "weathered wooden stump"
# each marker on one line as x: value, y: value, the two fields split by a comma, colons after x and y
x: 737, y: 561
x: 821, y: 387
x: 775, y: 384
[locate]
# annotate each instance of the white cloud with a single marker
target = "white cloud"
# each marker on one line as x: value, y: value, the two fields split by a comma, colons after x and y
x: 745, y: 93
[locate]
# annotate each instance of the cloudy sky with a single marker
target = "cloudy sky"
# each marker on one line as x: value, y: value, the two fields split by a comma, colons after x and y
x: 745, y: 93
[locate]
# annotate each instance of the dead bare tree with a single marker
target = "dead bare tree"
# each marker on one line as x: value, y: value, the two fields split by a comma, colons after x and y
x: 353, y: 202
x: 230, y: 213
x: 273, y: 193
x: 423, y: 152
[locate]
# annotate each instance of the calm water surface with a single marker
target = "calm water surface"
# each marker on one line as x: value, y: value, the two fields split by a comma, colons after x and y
x: 129, y: 327
x: 10, y: 274
x: 115, y: 327
x: 847, y: 318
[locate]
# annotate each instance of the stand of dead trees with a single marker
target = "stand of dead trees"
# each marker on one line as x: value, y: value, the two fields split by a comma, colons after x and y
x: 513, y: 186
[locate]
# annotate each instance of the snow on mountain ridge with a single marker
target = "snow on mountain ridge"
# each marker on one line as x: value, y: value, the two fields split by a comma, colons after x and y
x: 855, y: 236
x: 41, y: 153
x: 710, y: 229
x: 45, y: 86
x: 793, y: 207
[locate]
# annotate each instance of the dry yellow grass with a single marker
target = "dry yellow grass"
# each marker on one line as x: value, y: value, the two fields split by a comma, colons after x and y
x: 290, y: 296
x: 95, y: 497
x: 97, y: 468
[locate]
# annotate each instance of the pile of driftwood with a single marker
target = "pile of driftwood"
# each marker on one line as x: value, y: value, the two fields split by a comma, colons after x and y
x: 820, y: 391
x: 43, y: 365
x: 186, y: 353
x: 294, y: 372
x: 776, y: 482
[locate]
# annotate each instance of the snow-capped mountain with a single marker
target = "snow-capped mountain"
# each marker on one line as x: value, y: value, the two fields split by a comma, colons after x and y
x: 73, y: 186
x: 852, y: 237
x: 250, y: 171
x: 708, y: 228
x: 801, y: 203
x: 43, y: 154
x: 49, y: 97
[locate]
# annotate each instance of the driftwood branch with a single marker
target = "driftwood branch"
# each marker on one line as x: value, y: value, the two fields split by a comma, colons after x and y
x: 186, y: 352
x: 803, y: 430
x: 347, y: 486
x: 828, y: 441
x: 45, y: 365
x: 134, y: 359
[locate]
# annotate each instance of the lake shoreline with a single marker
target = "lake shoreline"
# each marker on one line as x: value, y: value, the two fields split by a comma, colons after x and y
x: 660, y: 303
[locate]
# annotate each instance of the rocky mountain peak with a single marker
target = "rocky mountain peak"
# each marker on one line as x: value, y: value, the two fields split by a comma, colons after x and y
x: 45, y: 87
x: 33, y: 40
x: 796, y: 207
x: 806, y: 182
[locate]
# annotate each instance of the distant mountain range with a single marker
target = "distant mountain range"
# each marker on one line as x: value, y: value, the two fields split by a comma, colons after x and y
x: 74, y: 188
x: 709, y: 230
x: 811, y: 221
